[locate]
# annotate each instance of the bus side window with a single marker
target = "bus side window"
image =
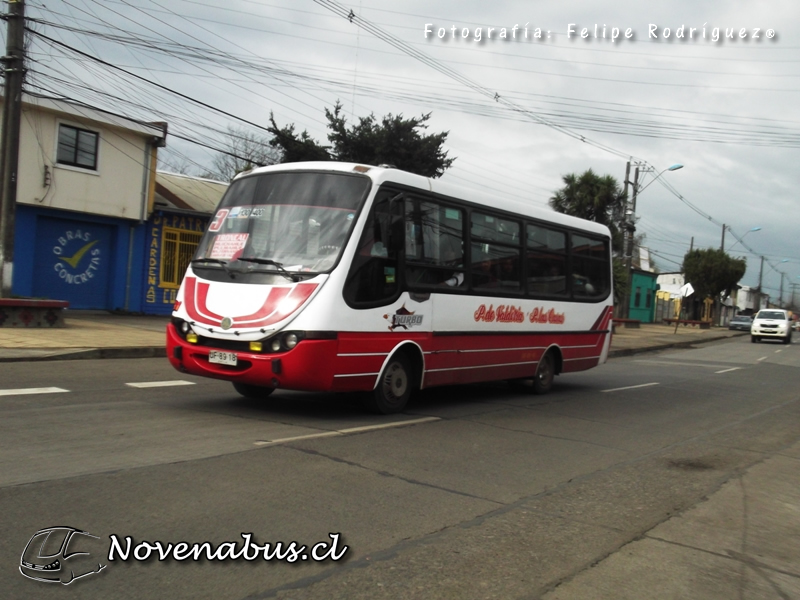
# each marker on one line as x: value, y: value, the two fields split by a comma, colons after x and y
x: 590, y: 269
x: 373, y: 277
x: 547, y: 261
x: 434, y: 255
x: 496, y: 253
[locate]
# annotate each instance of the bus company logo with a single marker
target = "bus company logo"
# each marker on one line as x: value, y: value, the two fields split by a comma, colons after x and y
x: 70, y: 250
x: 542, y: 315
x: 513, y: 314
x: 60, y: 555
x: 403, y: 318
x: 502, y: 314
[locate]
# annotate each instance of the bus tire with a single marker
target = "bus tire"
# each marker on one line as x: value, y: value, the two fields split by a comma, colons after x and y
x: 545, y: 373
x: 253, y: 392
x: 394, y: 386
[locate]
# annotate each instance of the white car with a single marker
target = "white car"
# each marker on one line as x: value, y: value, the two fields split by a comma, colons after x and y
x: 771, y: 323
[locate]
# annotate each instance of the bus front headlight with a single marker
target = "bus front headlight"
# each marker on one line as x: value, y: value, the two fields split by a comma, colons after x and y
x: 290, y: 340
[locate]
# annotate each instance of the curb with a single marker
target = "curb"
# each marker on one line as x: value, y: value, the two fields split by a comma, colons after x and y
x: 90, y: 354
x: 687, y: 344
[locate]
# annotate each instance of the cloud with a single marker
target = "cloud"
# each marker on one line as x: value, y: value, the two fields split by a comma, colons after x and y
x: 724, y: 109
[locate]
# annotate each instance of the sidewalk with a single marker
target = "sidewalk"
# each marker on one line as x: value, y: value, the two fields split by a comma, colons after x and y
x: 100, y: 334
x: 88, y: 334
x: 742, y: 542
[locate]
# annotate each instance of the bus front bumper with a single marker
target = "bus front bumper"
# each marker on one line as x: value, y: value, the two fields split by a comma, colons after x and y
x: 309, y: 366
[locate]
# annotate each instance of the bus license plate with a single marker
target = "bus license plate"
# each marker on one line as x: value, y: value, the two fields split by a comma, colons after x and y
x: 222, y: 358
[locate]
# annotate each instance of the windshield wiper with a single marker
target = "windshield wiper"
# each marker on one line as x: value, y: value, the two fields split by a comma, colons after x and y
x: 267, y: 261
x: 215, y: 261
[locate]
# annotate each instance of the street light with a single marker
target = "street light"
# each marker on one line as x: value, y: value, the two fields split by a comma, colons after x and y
x: 761, y: 277
x: 674, y: 167
x: 630, y: 225
x: 738, y: 239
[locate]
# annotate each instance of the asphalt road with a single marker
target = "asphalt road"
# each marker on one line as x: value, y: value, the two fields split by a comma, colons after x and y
x: 475, y: 492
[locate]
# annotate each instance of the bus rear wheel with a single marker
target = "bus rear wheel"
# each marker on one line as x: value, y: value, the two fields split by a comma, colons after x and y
x: 394, y: 387
x: 253, y: 392
x: 545, y: 373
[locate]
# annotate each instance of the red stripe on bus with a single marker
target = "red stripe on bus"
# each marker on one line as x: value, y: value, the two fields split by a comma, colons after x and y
x: 279, y: 304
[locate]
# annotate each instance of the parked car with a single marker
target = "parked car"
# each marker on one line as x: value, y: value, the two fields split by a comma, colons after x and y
x: 771, y: 323
x: 740, y: 322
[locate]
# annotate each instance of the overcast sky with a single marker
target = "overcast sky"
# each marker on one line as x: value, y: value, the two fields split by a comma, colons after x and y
x: 527, y: 103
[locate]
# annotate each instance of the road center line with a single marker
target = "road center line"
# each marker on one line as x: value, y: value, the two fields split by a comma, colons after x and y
x: 26, y: 391
x: 728, y: 370
x: 339, y: 432
x: 762, y: 358
x: 631, y: 387
x: 151, y: 384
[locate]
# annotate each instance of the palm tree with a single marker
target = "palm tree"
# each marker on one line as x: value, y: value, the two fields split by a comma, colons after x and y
x: 590, y: 196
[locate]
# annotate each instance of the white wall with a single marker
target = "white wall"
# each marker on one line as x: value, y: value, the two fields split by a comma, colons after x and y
x: 115, y: 189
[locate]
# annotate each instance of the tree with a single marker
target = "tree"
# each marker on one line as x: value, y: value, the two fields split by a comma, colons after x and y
x: 392, y: 140
x: 294, y: 148
x: 595, y: 198
x: 395, y: 141
x: 244, y: 150
x: 712, y: 272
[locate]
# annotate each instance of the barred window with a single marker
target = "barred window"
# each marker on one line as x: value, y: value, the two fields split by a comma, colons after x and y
x: 177, y: 249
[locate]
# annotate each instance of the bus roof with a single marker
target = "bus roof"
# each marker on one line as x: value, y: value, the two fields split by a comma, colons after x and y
x: 385, y: 174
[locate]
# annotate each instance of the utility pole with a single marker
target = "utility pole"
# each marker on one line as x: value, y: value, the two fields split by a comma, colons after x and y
x: 14, y: 71
x: 631, y: 227
x: 760, y: 275
x: 623, y: 311
x: 722, y: 244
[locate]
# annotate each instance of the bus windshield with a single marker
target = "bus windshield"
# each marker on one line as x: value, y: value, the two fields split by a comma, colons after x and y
x: 290, y: 222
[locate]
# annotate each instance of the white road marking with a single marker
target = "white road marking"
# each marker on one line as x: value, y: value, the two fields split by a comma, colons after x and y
x: 728, y: 370
x: 631, y: 387
x: 151, y: 384
x: 762, y: 358
x: 339, y: 432
x: 25, y: 391
x: 678, y: 364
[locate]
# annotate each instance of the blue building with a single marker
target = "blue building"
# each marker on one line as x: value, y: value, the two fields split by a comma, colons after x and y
x: 95, y: 224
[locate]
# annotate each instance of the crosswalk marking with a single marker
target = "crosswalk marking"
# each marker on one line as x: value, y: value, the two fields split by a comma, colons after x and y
x: 26, y: 391
x: 152, y: 384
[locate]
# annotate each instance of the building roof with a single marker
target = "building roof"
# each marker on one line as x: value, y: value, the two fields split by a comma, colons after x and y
x: 188, y: 193
x: 85, y: 112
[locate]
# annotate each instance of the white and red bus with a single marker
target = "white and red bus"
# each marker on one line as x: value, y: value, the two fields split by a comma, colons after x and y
x: 350, y: 278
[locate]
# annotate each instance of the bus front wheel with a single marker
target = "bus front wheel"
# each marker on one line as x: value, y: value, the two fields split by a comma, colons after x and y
x: 253, y: 392
x: 545, y: 373
x: 394, y: 387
